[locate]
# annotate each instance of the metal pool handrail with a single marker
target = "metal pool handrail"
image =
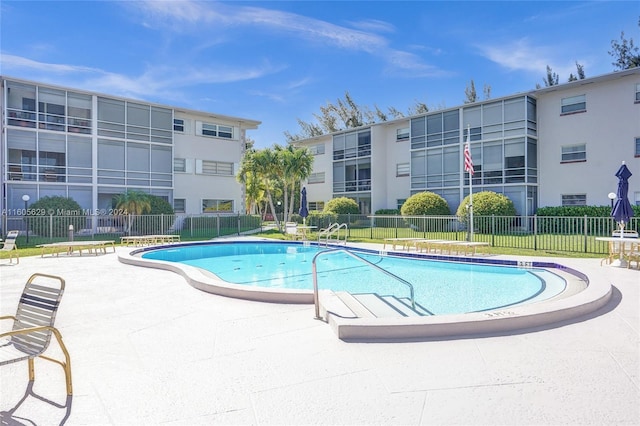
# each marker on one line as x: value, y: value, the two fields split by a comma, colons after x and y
x: 333, y: 228
x: 315, y: 277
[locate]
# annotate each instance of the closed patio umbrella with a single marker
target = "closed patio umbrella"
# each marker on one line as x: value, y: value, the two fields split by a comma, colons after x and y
x: 622, y: 210
x: 304, y: 212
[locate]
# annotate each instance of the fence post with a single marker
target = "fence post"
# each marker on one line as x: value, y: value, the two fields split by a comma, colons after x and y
x: 535, y: 232
x: 238, y: 223
x: 493, y: 230
x: 396, y: 220
x: 585, y: 233
x: 372, y: 223
x: 50, y: 226
x: 218, y: 225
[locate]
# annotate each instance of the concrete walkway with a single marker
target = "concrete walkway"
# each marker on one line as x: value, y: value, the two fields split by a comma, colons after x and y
x: 148, y: 349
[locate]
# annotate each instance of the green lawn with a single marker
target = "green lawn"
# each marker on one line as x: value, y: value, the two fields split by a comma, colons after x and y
x: 519, y: 245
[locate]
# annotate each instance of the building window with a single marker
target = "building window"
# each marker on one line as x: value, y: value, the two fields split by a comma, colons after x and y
x: 402, y: 134
x: 400, y: 202
x: 574, y: 200
x: 638, y: 92
x: 179, y: 165
x: 574, y: 153
x: 178, y: 125
x: 352, y: 145
x: 316, y: 178
x: 574, y: 104
x: 179, y: 205
x: 316, y: 149
x: 317, y: 206
x: 217, y: 130
x: 403, y: 169
x: 637, y: 152
x: 216, y: 206
x: 215, y: 168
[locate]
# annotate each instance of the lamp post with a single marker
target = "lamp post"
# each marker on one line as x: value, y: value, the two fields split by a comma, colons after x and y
x: 612, y: 197
x: 26, y: 199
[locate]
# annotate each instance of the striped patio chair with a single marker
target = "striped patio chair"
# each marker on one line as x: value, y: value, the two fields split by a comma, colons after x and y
x: 9, y: 244
x: 33, y: 326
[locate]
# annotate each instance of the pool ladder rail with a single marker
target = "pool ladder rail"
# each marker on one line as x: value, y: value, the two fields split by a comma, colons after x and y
x: 333, y: 230
x: 368, y: 300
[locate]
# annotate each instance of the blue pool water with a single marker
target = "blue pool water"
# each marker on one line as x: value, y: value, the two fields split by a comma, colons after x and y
x: 440, y: 287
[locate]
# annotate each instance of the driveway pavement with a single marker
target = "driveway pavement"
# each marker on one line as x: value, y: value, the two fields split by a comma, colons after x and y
x: 148, y: 349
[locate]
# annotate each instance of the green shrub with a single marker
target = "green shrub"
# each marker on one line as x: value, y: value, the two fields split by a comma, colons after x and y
x: 51, y: 216
x: 321, y: 219
x: 393, y: 212
x: 425, y: 204
x: 153, y: 222
x: 159, y: 205
x: 486, y: 203
x: 342, y: 205
x: 549, y: 219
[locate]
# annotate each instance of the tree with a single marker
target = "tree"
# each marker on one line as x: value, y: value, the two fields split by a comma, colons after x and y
x: 253, y: 184
x: 470, y: 93
x: 551, y: 79
x: 347, y: 114
x: 580, y: 73
x: 132, y: 203
x: 296, y: 164
x: 264, y: 166
x: 624, y: 52
x: 486, y: 90
x: 418, y: 108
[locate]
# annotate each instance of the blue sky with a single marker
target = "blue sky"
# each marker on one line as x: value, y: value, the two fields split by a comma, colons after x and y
x: 280, y: 61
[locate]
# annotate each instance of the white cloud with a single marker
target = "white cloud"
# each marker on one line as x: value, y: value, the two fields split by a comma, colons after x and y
x: 16, y: 63
x: 522, y: 55
x: 211, y: 17
x: 153, y: 82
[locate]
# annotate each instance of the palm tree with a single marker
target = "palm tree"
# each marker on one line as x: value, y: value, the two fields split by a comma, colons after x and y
x: 298, y: 164
x: 266, y: 165
x: 254, y: 185
x: 132, y: 203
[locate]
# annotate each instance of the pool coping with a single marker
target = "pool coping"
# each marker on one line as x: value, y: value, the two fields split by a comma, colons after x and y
x: 348, y: 326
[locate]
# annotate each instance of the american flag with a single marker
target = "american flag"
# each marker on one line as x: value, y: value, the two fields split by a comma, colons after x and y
x: 468, y: 162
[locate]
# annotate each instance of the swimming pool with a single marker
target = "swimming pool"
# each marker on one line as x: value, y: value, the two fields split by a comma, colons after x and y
x: 580, y: 297
x: 440, y: 287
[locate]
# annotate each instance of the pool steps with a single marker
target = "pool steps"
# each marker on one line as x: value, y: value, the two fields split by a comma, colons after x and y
x: 373, y: 305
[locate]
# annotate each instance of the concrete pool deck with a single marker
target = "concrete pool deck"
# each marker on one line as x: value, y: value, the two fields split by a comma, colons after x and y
x: 148, y: 349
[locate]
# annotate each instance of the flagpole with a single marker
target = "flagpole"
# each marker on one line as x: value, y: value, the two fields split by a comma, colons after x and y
x: 470, y: 187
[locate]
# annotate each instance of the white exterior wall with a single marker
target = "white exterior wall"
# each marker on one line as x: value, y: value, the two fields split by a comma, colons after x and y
x: 388, y: 152
x: 194, y: 186
x: 321, y: 192
x: 608, y: 128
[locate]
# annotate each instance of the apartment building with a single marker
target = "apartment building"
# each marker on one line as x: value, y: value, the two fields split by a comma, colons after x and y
x: 558, y: 145
x: 59, y: 141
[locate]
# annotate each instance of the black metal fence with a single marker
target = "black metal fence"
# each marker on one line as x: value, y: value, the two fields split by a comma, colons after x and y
x: 548, y: 233
x: 561, y: 234
x: 36, y: 230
